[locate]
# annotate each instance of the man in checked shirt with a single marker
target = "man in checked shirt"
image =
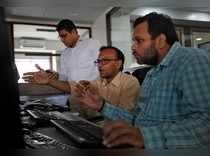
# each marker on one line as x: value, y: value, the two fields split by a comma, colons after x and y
x: 173, y: 110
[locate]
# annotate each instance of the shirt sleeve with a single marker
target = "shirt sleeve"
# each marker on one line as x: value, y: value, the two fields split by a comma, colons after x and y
x: 192, y: 129
x: 112, y: 112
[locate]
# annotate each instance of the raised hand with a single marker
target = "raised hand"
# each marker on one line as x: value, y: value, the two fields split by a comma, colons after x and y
x: 37, y: 78
x: 118, y: 133
x: 85, y: 94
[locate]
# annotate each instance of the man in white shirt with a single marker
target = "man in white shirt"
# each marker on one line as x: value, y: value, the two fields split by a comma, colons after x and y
x: 78, y: 57
x: 76, y: 62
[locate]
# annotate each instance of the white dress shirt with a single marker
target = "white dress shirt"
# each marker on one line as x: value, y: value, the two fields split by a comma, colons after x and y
x: 78, y: 63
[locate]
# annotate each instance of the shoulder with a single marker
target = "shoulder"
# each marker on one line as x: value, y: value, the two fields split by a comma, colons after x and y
x: 192, y: 61
x: 63, y: 51
x: 192, y: 56
x: 91, y: 41
x: 129, y: 79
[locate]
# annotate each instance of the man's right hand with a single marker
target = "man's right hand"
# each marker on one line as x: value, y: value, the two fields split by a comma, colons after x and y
x: 51, y: 74
x: 36, y: 77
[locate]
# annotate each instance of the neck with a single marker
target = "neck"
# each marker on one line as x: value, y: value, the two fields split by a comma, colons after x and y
x: 163, y: 52
x: 75, y: 42
x: 109, y: 79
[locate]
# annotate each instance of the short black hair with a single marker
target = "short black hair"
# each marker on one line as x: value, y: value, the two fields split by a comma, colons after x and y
x: 119, y: 54
x: 66, y: 24
x: 157, y: 24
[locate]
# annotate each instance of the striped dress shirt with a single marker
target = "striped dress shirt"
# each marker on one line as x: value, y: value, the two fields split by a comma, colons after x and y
x: 173, y: 109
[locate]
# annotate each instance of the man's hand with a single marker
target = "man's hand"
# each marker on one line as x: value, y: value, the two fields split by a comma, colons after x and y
x: 85, y: 94
x: 118, y: 133
x: 37, y: 77
x: 51, y: 74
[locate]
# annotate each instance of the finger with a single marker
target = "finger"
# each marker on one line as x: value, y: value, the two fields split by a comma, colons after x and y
x: 116, y: 133
x: 78, y: 91
x: 84, y: 84
x: 125, y: 139
x: 29, y: 73
x: 51, y: 76
x: 110, y: 125
x: 81, y: 87
x: 27, y: 78
x: 38, y: 67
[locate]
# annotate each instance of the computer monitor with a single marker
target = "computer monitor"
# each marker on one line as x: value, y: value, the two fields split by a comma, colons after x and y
x: 205, y: 46
x: 10, y: 131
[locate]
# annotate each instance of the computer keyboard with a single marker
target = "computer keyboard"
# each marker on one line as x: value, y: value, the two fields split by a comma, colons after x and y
x: 38, y: 140
x: 84, y: 133
x: 42, y: 115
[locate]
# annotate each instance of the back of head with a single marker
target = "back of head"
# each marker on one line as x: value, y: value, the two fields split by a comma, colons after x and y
x: 159, y: 24
x: 119, y: 54
x: 66, y: 24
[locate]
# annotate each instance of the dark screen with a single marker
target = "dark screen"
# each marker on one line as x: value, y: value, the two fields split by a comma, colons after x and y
x: 10, y: 125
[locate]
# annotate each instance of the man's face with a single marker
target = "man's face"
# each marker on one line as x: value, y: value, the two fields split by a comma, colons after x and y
x: 68, y: 38
x: 108, y: 64
x: 143, y: 47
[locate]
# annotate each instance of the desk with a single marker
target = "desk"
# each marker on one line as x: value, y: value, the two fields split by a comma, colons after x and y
x: 112, y: 152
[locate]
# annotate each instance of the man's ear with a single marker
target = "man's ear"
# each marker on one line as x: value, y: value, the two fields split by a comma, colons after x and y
x: 161, y: 41
x: 74, y: 31
x: 119, y: 63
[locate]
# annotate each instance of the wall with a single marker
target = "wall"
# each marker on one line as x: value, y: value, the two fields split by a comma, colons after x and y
x: 121, y: 36
x: 99, y: 29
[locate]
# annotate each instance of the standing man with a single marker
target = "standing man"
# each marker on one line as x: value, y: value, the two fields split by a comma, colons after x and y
x: 76, y: 62
x: 173, y: 110
x: 77, y: 59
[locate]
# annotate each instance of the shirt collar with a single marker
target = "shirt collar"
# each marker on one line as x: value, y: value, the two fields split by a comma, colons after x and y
x: 170, y: 55
x: 115, y: 81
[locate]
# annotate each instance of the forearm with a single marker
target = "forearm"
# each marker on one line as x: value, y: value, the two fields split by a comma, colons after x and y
x: 60, y: 85
x: 193, y: 131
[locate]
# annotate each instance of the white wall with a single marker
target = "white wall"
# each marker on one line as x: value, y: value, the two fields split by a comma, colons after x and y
x: 99, y: 29
x: 121, y: 36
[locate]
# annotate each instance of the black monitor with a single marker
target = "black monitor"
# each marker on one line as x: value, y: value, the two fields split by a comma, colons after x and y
x: 10, y: 132
x: 205, y: 46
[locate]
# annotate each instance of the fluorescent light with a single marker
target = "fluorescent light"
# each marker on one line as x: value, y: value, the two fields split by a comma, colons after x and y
x: 198, y: 39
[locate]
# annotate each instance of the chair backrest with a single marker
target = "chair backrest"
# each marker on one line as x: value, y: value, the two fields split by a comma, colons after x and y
x: 141, y: 73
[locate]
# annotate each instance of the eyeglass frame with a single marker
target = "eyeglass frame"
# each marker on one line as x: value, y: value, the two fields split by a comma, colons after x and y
x: 104, y: 61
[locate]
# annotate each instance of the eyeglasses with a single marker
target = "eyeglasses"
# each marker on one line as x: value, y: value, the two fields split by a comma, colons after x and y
x: 62, y: 35
x: 103, y: 61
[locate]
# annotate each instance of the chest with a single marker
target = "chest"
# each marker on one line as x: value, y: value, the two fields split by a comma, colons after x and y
x: 161, y: 94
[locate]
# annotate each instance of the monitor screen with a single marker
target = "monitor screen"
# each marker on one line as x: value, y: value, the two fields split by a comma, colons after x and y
x: 10, y: 131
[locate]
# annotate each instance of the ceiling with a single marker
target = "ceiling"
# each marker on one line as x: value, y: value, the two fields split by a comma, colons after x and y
x: 87, y: 11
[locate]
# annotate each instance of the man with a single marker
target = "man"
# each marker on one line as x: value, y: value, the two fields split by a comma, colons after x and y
x: 114, y: 86
x: 173, y: 110
x: 76, y: 62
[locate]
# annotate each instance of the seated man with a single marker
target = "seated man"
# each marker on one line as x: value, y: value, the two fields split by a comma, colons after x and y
x: 113, y: 85
x: 173, y: 110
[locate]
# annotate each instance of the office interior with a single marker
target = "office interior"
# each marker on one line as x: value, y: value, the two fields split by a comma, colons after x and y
x: 32, y: 39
